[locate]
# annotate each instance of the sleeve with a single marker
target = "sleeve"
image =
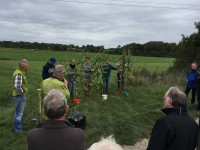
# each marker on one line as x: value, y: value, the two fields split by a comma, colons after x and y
x: 65, y: 91
x: 44, y: 74
x: 70, y: 71
x: 113, y: 68
x: 159, y: 136
x: 18, y: 84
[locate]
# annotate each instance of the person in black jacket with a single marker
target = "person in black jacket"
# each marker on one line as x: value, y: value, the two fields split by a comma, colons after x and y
x: 48, y: 68
x: 176, y: 130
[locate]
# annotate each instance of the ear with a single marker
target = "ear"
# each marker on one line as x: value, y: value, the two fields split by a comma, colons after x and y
x: 170, y: 103
x: 67, y: 109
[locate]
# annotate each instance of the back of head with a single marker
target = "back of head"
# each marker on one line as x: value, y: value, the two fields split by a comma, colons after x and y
x: 59, y: 69
x: 179, y: 98
x: 23, y: 63
x: 106, y: 144
x: 55, y: 104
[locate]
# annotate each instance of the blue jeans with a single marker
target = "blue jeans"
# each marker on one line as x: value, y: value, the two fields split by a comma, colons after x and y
x: 106, y: 82
x: 20, y: 102
x: 70, y: 87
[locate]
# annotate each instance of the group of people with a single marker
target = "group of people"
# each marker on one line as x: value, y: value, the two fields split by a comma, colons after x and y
x: 71, y: 73
x: 193, y: 83
x: 176, y: 130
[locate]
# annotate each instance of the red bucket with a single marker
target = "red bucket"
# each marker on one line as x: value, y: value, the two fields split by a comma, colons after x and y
x: 77, y: 101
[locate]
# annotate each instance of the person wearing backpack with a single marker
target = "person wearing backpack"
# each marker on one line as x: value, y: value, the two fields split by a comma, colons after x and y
x: 191, y: 79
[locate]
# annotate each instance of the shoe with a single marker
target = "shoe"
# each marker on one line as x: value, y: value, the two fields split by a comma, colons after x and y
x: 16, y: 132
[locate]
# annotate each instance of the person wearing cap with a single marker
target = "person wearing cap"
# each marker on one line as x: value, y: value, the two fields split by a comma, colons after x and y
x: 57, y: 81
x: 48, y: 68
x: 19, y: 93
x: 56, y: 133
x: 71, y: 75
x: 177, y: 130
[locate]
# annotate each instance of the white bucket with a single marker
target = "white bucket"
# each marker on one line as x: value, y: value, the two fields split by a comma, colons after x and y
x: 104, y: 97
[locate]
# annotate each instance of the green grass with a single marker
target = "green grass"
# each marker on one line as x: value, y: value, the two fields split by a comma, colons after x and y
x: 128, y: 118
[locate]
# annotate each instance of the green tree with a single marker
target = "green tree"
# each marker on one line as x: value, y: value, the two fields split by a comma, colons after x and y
x: 188, y: 49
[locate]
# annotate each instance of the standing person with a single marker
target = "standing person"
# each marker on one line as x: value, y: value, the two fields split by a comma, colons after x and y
x: 191, y: 77
x: 48, y: 68
x: 197, y: 82
x: 106, y: 70
x: 56, y: 134
x: 176, y: 130
x: 57, y: 81
x: 19, y: 93
x: 71, y: 75
x: 87, y: 75
x: 120, y: 73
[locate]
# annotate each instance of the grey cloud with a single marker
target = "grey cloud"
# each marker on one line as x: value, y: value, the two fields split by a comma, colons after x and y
x: 81, y: 24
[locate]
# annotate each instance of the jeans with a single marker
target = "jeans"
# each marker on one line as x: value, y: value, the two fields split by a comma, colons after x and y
x: 106, y: 81
x: 70, y: 87
x: 20, y: 102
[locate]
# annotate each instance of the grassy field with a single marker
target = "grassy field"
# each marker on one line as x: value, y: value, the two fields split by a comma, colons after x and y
x: 128, y: 118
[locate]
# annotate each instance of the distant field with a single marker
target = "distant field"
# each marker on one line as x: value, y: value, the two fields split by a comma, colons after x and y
x: 153, y: 64
x: 128, y: 118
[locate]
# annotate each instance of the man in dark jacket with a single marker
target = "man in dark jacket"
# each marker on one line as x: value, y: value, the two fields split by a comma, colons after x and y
x: 106, y: 70
x: 191, y: 77
x: 176, y: 130
x: 56, y: 134
x: 48, y: 68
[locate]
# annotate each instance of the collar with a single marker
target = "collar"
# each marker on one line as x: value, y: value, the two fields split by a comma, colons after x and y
x: 55, y: 124
x: 175, y: 110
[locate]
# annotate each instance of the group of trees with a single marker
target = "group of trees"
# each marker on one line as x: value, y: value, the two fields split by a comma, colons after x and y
x: 153, y: 48
x: 188, y: 49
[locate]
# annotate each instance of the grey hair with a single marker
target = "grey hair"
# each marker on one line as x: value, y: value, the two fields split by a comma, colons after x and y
x: 55, y: 104
x: 179, y: 98
x: 22, y: 62
x: 58, y: 70
x: 106, y: 144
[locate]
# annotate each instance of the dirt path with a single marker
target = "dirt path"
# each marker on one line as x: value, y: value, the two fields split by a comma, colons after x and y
x: 141, y: 145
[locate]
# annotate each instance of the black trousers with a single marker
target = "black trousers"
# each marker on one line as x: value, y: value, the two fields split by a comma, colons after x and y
x: 198, y: 97
x: 187, y: 90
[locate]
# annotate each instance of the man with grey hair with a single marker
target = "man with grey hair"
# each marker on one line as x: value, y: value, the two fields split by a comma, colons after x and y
x: 56, y: 134
x: 176, y: 130
x: 19, y: 93
x: 57, y: 81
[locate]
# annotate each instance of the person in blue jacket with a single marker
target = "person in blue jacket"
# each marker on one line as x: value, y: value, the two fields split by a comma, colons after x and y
x: 191, y: 79
x: 48, y: 68
x: 106, y: 70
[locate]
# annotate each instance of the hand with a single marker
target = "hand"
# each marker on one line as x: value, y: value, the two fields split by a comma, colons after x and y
x: 65, y: 83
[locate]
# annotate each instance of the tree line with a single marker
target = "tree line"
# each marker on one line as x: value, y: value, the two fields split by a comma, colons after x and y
x: 152, y: 48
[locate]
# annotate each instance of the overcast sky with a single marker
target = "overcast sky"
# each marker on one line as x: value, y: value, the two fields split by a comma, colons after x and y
x: 97, y: 22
